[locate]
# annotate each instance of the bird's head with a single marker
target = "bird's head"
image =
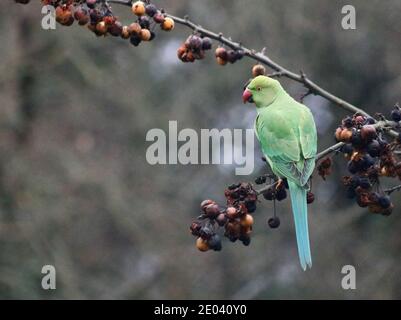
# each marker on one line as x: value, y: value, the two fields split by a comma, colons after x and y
x: 262, y: 91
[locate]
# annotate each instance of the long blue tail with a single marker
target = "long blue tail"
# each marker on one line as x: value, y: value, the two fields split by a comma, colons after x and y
x: 300, y: 212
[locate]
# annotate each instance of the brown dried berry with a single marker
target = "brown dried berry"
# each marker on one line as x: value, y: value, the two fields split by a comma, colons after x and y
x: 232, y: 212
x: 310, y: 197
x: 221, y: 53
x: 212, y: 210
x: 247, y: 221
x: 221, y: 61
x: 205, y: 203
x: 368, y: 133
x: 115, y: 29
x: 202, y: 245
x: 135, y: 28
x: 346, y: 135
x: 258, y: 70
x: 138, y: 8
x: 81, y: 15
x: 125, y: 34
x: 101, y: 28
x: 168, y: 24
x: 145, y: 35
x: 195, y: 228
x: 181, y: 51
x: 221, y: 219
x: 233, y: 228
x: 159, y: 17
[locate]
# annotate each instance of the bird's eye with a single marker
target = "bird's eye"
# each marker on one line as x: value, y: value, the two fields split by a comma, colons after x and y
x: 258, y: 88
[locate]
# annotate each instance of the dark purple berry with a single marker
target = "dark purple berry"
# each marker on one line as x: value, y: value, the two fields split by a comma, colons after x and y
x: 352, y: 167
x: 310, y: 197
x: 215, y: 242
x: 364, y: 183
x: 274, y: 222
x: 260, y: 180
x: 374, y: 148
x: 281, y: 194
x: 231, y: 56
x: 384, y: 201
x: 206, y: 232
x: 396, y: 115
x: 347, y: 148
x: 206, y: 43
x: 150, y: 10
x: 250, y: 206
x: 144, y: 22
x: 356, y: 139
x: 135, y: 40
x: 366, y: 162
x: 234, y: 186
x: 355, y: 181
x: 347, y: 122
x: 269, y: 194
x: 370, y: 120
x: 246, y: 240
x: 239, y: 54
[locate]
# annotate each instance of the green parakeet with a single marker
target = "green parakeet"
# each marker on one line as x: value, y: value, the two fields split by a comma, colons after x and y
x: 287, y: 134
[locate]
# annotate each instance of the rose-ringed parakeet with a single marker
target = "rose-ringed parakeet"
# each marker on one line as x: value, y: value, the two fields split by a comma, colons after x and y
x: 287, y: 134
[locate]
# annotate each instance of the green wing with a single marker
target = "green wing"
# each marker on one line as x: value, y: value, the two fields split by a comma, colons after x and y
x: 288, y: 138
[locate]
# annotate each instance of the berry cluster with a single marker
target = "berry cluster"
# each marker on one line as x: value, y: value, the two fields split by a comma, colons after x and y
x: 369, y: 157
x: 236, y: 218
x: 98, y: 16
x: 223, y: 56
x: 194, y: 48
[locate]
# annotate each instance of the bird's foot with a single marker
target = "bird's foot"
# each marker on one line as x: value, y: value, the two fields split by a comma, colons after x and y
x: 279, y: 184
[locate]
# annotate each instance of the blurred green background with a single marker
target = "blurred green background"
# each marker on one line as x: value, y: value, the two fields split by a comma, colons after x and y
x: 77, y: 192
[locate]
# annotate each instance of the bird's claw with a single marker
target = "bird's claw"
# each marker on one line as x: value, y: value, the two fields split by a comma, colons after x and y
x: 279, y: 183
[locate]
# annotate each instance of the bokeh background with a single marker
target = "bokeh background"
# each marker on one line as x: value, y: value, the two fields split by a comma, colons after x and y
x: 77, y: 192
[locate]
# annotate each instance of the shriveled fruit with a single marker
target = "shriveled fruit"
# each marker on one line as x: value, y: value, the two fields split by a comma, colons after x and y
x: 258, y: 70
x: 221, y: 61
x: 202, y: 245
x: 274, y: 222
x: 247, y: 221
x: 101, y: 28
x: 145, y: 35
x: 167, y: 24
x: 138, y: 8
x: 134, y: 28
x: 125, y: 34
x: 232, y: 212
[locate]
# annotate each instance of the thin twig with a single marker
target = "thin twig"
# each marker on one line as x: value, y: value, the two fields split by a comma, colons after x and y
x: 265, y: 188
x: 391, y: 190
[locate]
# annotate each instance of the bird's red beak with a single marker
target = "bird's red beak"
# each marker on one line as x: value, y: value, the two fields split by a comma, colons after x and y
x: 247, y: 96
